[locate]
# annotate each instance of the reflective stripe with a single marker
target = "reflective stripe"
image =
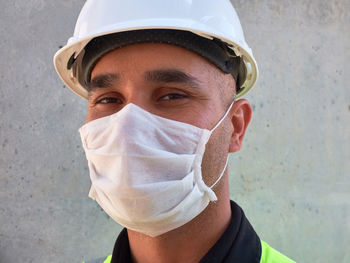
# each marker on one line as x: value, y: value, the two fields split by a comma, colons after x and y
x: 101, y: 260
x: 108, y: 259
x: 270, y: 255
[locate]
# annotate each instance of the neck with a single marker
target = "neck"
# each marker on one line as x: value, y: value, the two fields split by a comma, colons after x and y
x: 190, y: 242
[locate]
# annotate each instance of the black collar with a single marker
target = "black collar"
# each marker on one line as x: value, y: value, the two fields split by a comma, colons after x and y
x: 239, y: 243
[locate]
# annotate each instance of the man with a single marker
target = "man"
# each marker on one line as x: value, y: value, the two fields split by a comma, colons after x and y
x: 161, y: 78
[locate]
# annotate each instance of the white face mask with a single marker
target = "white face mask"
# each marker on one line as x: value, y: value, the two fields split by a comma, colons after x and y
x: 146, y: 170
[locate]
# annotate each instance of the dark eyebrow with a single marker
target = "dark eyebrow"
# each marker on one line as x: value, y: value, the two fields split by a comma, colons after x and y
x: 171, y: 76
x: 103, y: 81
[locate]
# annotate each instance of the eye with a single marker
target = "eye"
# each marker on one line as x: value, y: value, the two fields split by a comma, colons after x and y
x: 108, y: 100
x: 173, y: 96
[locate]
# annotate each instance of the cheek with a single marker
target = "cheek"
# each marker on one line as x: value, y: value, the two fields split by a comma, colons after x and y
x: 196, y: 118
x: 89, y: 117
x: 219, y: 140
x: 204, y: 117
x: 215, y: 154
x: 93, y: 114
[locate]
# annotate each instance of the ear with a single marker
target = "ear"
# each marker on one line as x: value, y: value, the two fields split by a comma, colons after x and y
x: 241, y: 114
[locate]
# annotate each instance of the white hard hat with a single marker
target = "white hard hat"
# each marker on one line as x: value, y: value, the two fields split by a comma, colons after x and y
x: 206, y: 18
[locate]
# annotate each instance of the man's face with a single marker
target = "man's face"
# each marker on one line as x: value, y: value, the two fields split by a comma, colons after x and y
x: 170, y: 82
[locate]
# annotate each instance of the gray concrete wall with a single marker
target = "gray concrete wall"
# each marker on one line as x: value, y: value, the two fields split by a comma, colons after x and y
x: 292, y: 177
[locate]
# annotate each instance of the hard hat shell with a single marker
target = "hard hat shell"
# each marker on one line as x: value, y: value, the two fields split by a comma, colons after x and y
x: 206, y: 18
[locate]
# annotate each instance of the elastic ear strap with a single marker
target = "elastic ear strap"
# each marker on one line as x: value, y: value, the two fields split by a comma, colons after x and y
x: 221, y: 120
x: 222, y: 173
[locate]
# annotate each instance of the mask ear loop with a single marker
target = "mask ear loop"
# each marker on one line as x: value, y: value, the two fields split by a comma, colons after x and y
x: 222, y: 173
x: 217, y: 125
x: 221, y: 120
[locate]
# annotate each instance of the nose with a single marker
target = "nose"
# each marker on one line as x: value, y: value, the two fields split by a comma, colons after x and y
x: 139, y: 96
